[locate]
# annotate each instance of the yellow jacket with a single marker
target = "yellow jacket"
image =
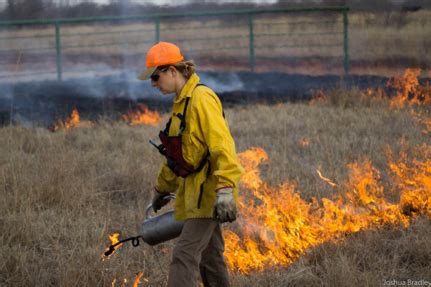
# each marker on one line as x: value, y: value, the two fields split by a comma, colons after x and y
x: 206, y: 130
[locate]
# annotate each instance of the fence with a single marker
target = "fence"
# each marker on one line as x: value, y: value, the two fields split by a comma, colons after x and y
x: 244, y: 38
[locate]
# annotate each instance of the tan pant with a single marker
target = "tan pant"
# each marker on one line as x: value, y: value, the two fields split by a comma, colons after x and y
x: 200, y: 247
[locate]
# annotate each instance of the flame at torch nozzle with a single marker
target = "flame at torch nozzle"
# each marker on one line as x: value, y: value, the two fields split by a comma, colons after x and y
x: 117, y: 243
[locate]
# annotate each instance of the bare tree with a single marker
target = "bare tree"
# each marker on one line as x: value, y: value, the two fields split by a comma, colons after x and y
x: 26, y: 9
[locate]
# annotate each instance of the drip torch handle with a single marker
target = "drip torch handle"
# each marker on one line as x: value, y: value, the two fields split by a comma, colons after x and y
x: 150, y: 206
x: 154, y: 144
x: 161, y: 148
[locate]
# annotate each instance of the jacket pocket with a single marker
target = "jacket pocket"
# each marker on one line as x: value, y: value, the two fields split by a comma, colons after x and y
x: 193, y: 151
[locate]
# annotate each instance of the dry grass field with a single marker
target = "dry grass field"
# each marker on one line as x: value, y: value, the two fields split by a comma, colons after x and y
x: 383, y: 43
x: 63, y: 193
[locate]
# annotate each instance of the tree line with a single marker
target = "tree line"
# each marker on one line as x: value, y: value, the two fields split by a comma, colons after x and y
x: 48, y: 9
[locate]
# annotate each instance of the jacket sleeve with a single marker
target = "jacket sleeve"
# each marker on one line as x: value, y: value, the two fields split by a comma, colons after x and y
x: 167, y: 181
x: 218, y: 139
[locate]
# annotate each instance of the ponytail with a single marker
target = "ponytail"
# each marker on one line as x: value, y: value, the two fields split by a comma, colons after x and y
x: 186, y: 68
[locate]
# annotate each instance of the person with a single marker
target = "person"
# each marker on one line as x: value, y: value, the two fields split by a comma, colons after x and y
x: 201, y: 167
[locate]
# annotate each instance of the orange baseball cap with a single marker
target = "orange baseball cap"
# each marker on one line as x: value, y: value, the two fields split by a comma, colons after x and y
x: 163, y: 53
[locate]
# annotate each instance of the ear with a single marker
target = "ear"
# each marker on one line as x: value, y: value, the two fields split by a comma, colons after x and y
x: 173, y: 70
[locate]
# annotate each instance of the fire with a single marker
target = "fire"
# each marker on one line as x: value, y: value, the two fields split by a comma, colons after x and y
x: 415, y: 181
x: 318, y: 96
x: 408, y: 90
x: 142, y: 116
x: 114, y: 238
x: 401, y: 91
x: 304, y: 142
x: 138, y: 279
x: 136, y: 282
x: 73, y: 122
x: 330, y: 182
x: 278, y: 225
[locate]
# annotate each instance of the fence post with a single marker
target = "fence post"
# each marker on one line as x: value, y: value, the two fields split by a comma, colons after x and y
x: 346, y: 42
x: 157, y: 30
x: 58, y: 51
x: 251, y: 58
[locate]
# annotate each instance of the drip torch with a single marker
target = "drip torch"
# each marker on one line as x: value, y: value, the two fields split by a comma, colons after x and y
x: 154, y: 229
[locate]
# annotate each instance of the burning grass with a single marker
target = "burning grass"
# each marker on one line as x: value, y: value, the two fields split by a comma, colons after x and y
x: 64, y: 193
x: 74, y: 121
x: 279, y: 225
x: 141, y: 116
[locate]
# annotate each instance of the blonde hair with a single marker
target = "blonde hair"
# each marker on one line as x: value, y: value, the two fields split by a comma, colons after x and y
x: 186, y: 68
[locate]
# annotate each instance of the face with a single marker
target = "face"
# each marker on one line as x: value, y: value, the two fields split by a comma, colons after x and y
x: 164, y: 80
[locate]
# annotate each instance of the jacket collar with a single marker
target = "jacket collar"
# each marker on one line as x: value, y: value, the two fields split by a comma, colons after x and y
x: 188, y: 88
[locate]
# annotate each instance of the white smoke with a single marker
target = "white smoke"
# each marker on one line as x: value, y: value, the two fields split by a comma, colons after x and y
x: 227, y: 82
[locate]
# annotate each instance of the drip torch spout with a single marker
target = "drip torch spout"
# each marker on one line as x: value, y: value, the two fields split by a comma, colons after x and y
x: 135, y: 243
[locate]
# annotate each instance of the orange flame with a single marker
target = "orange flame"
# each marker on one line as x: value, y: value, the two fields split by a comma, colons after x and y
x: 318, y: 96
x: 408, y: 89
x: 142, y: 116
x: 304, y: 142
x: 330, y: 182
x: 138, y: 279
x: 278, y: 225
x: 136, y: 282
x: 114, y: 238
x: 415, y: 181
x: 410, y: 92
x: 73, y: 122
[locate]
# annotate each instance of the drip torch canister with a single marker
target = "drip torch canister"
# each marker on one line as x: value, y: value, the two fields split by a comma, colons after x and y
x: 154, y: 230
x: 160, y: 228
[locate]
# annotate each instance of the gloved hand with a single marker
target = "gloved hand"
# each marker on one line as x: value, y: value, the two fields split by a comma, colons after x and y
x: 225, y: 206
x: 158, y: 200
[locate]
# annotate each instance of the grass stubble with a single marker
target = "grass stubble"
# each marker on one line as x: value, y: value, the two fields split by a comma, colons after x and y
x: 62, y: 194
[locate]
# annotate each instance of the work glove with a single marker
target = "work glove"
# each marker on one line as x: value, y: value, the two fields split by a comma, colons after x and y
x: 159, y: 200
x: 225, y: 207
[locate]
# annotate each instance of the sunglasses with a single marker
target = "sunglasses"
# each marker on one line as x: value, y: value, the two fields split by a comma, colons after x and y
x: 155, y: 77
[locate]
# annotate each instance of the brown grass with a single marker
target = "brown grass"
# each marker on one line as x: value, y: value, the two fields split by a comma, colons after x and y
x: 64, y: 192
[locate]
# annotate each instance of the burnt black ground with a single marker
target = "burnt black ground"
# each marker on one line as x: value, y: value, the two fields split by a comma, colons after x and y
x: 40, y: 103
